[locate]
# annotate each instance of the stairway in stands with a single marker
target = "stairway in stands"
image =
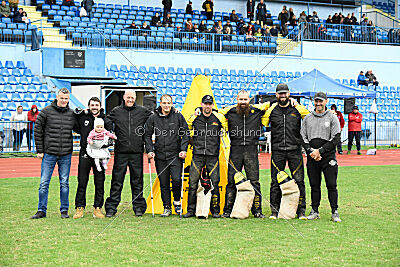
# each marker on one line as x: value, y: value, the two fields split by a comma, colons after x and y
x: 52, y: 36
x: 284, y: 48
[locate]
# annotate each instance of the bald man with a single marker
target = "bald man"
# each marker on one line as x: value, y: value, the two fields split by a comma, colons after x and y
x: 244, y: 128
x: 128, y: 121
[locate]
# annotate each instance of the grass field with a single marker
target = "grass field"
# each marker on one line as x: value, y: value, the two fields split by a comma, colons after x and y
x: 369, y: 234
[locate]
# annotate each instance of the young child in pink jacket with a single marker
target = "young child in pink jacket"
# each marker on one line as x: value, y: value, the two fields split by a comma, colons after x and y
x: 97, y: 138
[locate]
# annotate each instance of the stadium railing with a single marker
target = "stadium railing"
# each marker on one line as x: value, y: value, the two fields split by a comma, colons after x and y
x: 340, y: 33
x: 387, y: 133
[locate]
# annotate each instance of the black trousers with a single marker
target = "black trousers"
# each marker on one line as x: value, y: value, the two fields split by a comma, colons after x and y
x: 329, y: 167
x: 167, y: 171
x: 339, y: 146
x: 29, y: 138
x: 294, y: 158
x: 357, y: 136
x: 135, y: 163
x: 86, y: 164
x: 166, y: 11
x: 18, y: 137
x: 212, y: 165
x: 209, y: 15
x: 247, y: 157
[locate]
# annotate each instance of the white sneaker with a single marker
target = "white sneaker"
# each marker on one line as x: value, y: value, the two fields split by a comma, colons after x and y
x: 313, y: 215
x: 335, y: 217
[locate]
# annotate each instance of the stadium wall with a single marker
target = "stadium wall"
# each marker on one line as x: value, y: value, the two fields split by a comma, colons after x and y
x: 336, y: 60
x: 13, y: 52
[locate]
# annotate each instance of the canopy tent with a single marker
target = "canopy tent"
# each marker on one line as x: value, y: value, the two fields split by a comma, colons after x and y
x: 316, y: 81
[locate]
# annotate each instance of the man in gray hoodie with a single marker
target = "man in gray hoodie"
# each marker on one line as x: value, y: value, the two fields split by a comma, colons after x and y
x: 320, y: 133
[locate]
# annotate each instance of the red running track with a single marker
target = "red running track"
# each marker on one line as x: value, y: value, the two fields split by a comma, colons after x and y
x: 30, y: 167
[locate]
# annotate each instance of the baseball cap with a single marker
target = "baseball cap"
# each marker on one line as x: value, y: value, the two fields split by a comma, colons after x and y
x: 320, y: 96
x: 355, y: 107
x: 207, y: 99
x: 282, y: 88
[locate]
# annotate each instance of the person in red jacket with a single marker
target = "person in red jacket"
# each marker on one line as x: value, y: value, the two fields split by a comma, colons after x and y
x: 341, y: 121
x: 355, y: 119
x: 32, y: 116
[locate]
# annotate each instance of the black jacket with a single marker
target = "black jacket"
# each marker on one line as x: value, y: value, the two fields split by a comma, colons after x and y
x: 53, y: 130
x: 206, y: 133
x: 244, y: 130
x: 250, y: 6
x: 87, y: 4
x: 285, y: 126
x: 171, y: 132
x: 128, y: 124
x: 167, y: 4
x: 85, y: 124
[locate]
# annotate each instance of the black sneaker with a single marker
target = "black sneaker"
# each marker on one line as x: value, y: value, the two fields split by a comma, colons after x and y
x: 138, y: 213
x: 167, y: 212
x: 274, y: 216
x: 110, y: 213
x: 259, y: 215
x: 216, y: 215
x: 188, y: 215
x: 64, y: 215
x: 302, y: 215
x: 226, y: 215
x: 39, y: 215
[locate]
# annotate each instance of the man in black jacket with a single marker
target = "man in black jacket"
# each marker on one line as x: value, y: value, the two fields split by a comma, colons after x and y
x: 167, y: 7
x: 284, y: 18
x: 285, y: 121
x: 207, y: 130
x: 208, y: 7
x: 244, y: 125
x: 53, y: 139
x: 128, y: 122
x: 85, y: 121
x: 261, y: 12
x: 88, y: 5
x: 171, y: 142
x: 250, y: 9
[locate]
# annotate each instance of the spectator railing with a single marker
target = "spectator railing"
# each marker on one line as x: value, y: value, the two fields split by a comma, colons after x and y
x: 18, y: 137
x: 350, y: 33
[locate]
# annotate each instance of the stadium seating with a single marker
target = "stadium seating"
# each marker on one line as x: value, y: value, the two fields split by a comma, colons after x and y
x: 18, y: 86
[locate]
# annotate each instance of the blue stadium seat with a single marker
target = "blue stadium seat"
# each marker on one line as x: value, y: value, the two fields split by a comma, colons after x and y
x: 28, y: 97
x: 297, y: 74
x: 180, y: 71
x: 11, y: 106
x: 189, y: 71
x: 4, y: 72
x: 207, y: 71
x: 16, y: 73
x: 2, y: 81
x: 215, y: 72
x: 20, y: 88
x: 12, y: 80
x: 6, y: 115
x: 21, y: 65
x: 4, y: 97
x: 35, y: 80
x: 41, y: 97
x: 44, y: 89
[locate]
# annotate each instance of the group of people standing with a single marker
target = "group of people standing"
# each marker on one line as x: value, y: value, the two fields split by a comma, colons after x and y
x: 134, y: 127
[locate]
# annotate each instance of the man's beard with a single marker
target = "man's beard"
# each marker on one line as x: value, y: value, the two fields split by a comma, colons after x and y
x: 243, y: 110
x: 283, y: 102
x: 95, y: 112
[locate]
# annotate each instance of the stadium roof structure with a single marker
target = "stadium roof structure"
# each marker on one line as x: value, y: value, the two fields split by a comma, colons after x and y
x: 316, y: 81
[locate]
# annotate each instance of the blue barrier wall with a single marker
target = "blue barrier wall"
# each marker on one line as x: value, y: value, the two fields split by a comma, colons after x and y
x: 16, y: 52
x: 54, y: 63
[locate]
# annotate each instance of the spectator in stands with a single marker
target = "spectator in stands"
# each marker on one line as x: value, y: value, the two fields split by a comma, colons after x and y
x: 361, y: 79
x: 234, y: 17
x: 371, y: 78
x: 145, y: 29
x: 203, y: 26
x: 341, y: 122
x: 371, y: 31
x: 168, y: 21
x: 256, y: 25
x: 132, y: 26
x: 228, y: 28
x: 265, y: 31
x: 250, y: 37
x: 284, y: 18
x: 51, y: 2
x: 88, y: 6
x: 304, y: 25
x: 243, y: 29
x: 68, y: 3
x: 293, y: 20
x: 258, y: 34
x: 13, y: 5
x: 167, y: 7
x: 218, y: 29
x: 353, y: 19
x: 335, y: 19
x: 189, y: 8
x: 291, y: 13
x: 25, y: 18
x: 364, y: 29
x: 18, y: 16
x: 315, y: 17
x: 321, y: 32
x: 188, y: 25
x: 155, y: 20
x: 32, y: 116
x: 195, y: 28
x: 355, y: 120
x: 4, y: 10
x: 208, y: 7
x: 54, y: 145
x: 274, y: 31
x: 329, y: 20
x: 347, y: 28
x: 250, y: 27
x: 261, y: 12
x: 18, y: 127
x: 250, y: 9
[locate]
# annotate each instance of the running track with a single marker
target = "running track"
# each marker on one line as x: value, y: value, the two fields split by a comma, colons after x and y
x: 30, y: 167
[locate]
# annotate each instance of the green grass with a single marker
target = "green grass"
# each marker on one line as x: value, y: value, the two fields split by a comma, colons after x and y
x: 369, y: 234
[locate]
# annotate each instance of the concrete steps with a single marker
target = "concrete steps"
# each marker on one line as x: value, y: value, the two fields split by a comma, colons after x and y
x: 52, y: 36
x: 285, y: 47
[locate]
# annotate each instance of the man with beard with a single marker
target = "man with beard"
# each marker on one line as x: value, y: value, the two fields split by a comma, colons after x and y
x: 285, y: 121
x: 128, y: 122
x: 85, y: 121
x: 171, y: 142
x: 320, y: 135
x: 206, y: 130
x: 244, y: 127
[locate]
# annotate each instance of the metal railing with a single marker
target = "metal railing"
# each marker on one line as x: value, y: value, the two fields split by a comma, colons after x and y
x: 350, y: 34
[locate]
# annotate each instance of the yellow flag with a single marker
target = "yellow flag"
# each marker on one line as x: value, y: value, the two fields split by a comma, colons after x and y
x: 200, y: 87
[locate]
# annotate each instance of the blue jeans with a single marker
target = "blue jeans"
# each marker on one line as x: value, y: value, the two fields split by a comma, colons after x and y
x: 48, y: 164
